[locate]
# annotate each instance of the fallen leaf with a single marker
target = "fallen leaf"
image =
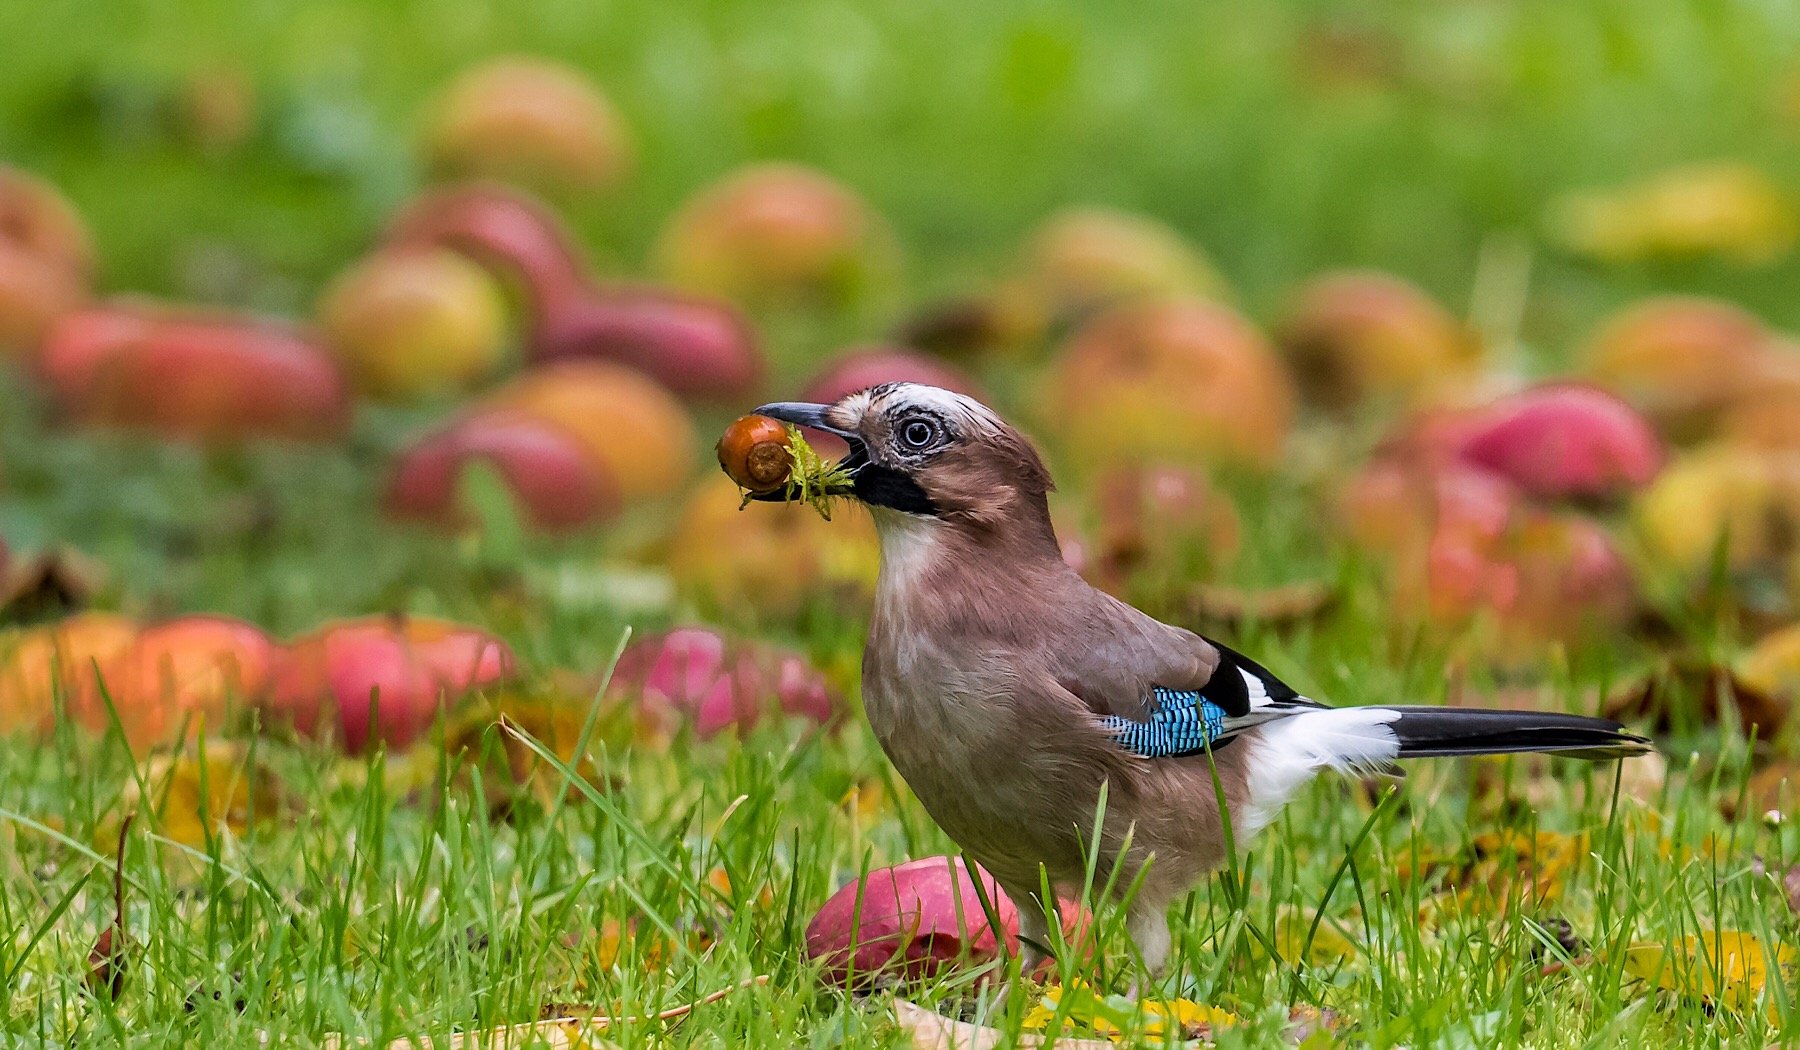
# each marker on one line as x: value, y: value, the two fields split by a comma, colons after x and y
x: 930, y: 1030
x: 1724, y: 967
x: 1773, y: 794
x: 1684, y: 691
x: 1329, y: 947
x: 112, y: 949
x: 570, y: 1032
x: 213, y: 784
x: 52, y: 582
x: 1119, y: 1018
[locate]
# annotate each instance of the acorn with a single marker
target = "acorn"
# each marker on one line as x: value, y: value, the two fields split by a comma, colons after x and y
x: 754, y: 453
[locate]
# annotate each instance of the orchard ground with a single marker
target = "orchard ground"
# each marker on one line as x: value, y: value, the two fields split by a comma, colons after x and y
x: 409, y: 894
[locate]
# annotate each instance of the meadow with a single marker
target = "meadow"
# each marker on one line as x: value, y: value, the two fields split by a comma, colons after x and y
x: 466, y: 880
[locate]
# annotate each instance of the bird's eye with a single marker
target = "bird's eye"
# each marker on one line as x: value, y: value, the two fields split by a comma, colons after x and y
x: 917, y: 433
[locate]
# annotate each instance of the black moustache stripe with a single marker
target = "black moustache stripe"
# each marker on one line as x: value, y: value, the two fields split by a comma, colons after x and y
x: 880, y: 486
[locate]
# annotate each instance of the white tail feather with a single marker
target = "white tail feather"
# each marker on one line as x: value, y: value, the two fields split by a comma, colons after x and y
x: 1291, y: 751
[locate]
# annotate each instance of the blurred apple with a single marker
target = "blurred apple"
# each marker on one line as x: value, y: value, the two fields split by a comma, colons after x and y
x: 1564, y: 441
x: 184, y: 671
x: 1395, y: 504
x: 1767, y: 415
x: 325, y: 682
x: 776, y: 232
x: 769, y: 560
x: 635, y: 429
x: 1008, y: 321
x: 556, y: 482
x: 192, y: 373
x: 1088, y: 258
x: 1358, y: 336
x: 696, y: 673
x: 1571, y: 579
x: 693, y: 346
x: 1745, y: 499
x: 38, y: 220
x: 529, y: 120
x: 41, y: 665
x: 1169, y: 380
x: 1772, y: 666
x: 1681, y: 360
x: 1165, y: 522
x: 1726, y: 208
x: 862, y: 367
x: 34, y: 293
x: 410, y: 323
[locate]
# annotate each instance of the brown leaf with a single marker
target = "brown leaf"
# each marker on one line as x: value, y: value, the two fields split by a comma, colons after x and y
x: 1715, y: 689
x: 112, y: 949
x: 52, y: 582
x: 1772, y: 794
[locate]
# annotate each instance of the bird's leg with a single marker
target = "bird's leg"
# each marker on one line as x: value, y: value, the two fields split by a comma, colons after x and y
x: 1149, y: 929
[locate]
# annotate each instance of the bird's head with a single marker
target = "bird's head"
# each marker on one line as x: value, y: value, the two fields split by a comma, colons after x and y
x: 930, y: 454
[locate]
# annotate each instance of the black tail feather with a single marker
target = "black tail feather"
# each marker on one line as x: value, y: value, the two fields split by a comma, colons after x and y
x: 1428, y: 732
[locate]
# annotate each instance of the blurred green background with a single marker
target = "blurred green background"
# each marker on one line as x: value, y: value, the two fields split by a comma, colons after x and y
x: 1283, y: 138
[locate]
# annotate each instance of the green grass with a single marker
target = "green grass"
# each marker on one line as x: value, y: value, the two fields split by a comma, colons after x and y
x: 361, y: 906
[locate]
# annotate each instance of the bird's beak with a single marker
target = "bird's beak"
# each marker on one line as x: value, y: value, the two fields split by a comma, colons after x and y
x: 806, y: 414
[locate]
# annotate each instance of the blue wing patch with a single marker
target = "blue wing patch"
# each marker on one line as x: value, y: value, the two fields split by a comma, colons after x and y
x: 1184, y: 723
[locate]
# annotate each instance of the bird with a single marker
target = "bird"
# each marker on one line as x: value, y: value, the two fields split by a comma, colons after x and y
x: 1013, y: 697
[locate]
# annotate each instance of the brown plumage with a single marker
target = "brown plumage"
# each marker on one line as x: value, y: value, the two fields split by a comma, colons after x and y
x: 995, y: 677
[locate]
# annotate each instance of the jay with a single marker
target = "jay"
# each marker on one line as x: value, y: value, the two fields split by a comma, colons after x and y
x: 1009, y: 693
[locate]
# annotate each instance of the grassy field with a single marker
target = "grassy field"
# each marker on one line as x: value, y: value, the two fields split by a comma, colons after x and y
x: 414, y: 894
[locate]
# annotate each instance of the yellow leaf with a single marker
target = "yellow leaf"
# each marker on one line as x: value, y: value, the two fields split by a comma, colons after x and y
x: 1724, y: 966
x: 195, y: 786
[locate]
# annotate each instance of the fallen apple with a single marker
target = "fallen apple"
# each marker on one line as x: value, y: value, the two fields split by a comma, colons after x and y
x: 693, y: 346
x: 1681, y: 360
x: 1741, y: 501
x: 1170, y: 381
x: 530, y: 120
x: 34, y: 293
x: 1087, y: 258
x: 193, y: 374
x: 37, y: 219
x: 42, y: 666
x: 1162, y: 523
x: 556, y: 483
x: 412, y: 323
x: 1359, y: 336
x: 697, y: 674
x: 769, y: 561
x: 382, y: 679
x: 1564, y: 441
x: 776, y: 232
x: 189, y: 671
x: 634, y: 428
x: 917, y: 921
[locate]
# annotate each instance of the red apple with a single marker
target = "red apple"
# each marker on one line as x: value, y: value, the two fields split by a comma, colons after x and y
x: 775, y: 232
x: 695, y: 347
x: 642, y: 438
x: 556, y: 483
x: 185, y: 670
x: 696, y: 673
x: 1088, y: 258
x: 410, y: 323
x: 196, y: 374
x: 531, y: 120
x: 1357, y: 336
x: 1559, y: 442
x: 916, y: 921
x: 1162, y: 521
x: 1679, y: 359
x: 1170, y: 380
x: 324, y: 681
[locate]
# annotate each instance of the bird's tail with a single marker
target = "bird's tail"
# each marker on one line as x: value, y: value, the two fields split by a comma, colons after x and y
x: 1429, y: 732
